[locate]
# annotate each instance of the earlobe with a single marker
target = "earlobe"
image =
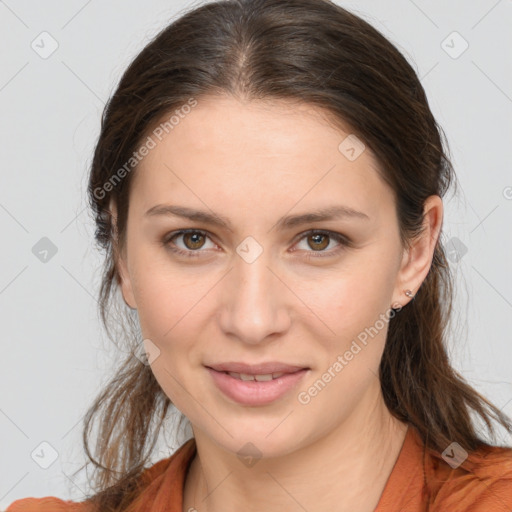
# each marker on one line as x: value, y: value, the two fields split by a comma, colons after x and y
x: 417, y: 259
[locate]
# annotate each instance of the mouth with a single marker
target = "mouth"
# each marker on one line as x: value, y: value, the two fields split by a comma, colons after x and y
x: 267, y: 368
x: 259, y: 377
x: 256, y: 389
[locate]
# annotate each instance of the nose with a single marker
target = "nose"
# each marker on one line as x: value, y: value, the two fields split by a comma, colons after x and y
x: 255, y: 303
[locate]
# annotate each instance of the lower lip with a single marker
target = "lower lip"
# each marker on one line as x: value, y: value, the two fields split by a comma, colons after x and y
x: 255, y: 392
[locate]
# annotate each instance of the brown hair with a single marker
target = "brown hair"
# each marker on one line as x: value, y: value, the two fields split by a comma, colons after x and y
x: 307, y: 51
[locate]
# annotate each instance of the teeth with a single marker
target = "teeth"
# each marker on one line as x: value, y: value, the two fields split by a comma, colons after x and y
x: 259, y: 378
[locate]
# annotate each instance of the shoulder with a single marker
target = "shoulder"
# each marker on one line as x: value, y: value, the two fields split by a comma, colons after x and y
x: 48, y: 504
x: 483, y: 482
x: 161, y: 477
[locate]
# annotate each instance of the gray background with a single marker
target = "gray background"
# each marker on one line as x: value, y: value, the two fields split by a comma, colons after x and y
x: 55, y: 356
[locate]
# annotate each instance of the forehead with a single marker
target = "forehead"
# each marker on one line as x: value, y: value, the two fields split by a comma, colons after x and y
x: 241, y: 151
x: 258, y: 127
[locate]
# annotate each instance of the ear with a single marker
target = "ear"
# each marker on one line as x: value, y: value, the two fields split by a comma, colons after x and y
x: 121, y: 264
x: 417, y: 259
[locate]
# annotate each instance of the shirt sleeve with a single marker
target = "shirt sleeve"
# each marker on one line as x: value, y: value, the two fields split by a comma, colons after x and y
x: 476, y: 495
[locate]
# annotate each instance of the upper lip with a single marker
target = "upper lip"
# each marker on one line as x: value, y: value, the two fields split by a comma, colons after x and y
x: 256, y: 369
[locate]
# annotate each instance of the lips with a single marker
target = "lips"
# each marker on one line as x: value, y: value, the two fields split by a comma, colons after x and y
x: 271, y: 367
x: 258, y: 389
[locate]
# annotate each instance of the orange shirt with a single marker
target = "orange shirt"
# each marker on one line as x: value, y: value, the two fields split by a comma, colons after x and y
x: 421, y: 481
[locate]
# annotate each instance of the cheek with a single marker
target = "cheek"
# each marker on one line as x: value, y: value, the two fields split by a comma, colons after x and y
x: 156, y: 305
x: 169, y: 316
x: 167, y: 312
x: 353, y: 298
x: 354, y: 310
x: 165, y: 295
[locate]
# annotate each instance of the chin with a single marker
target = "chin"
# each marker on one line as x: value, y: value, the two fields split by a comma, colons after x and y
x: 267, y: 440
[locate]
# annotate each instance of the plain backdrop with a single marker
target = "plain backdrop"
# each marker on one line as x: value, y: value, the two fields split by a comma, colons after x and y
x: 54, y: 353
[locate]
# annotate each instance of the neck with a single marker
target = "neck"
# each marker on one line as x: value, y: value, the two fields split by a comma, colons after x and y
x: 345, y: 470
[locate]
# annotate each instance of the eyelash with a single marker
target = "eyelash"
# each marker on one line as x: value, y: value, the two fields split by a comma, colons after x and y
x: 341, y: 239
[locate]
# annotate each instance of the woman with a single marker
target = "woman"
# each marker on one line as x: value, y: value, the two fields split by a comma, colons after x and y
x: 267, y: 186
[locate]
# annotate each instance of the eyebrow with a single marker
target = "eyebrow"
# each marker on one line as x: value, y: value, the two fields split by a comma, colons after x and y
x: 324, y: 214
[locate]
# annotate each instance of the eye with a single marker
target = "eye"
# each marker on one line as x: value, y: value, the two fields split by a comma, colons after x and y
x: 320, y: 240
x: 194, y: 239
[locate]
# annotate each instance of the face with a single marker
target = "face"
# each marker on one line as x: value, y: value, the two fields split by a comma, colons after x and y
x: 268, y: 284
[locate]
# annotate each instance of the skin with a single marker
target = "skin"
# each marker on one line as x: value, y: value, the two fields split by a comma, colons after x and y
x: 254, y: 162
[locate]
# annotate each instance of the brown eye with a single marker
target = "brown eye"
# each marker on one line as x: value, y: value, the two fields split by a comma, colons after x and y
x: 188, y: 242
x: 193, y: 240
x: 319, y: 241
